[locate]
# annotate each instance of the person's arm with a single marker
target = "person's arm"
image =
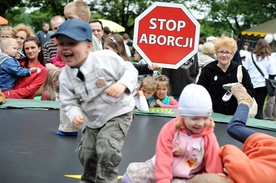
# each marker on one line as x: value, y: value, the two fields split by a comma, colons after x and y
x: 204, y: 78
x: 47, y: 47
x: 129, y: 76
x: 272, y: 67
x: 173, y: 104
x: 12, y: 67
x: 213, y: 162
x: 246, y: 82
x: 141, y: 102
x: 143, y: 69
x: 164, y: 155
x: 51, y: 66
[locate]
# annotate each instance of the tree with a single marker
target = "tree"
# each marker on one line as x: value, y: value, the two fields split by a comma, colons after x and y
x: 123, y: 12
x: 7, y: 5
x: 237, y: 15
x: 220, y: 15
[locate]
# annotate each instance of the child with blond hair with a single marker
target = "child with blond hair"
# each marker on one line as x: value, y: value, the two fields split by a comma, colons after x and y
x: 10, y: 68
x: 145, y: 91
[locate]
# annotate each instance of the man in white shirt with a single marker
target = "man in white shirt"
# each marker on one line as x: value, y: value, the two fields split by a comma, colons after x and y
x: 97, y: 27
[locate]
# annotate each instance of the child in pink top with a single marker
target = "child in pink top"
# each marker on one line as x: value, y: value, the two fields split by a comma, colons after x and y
x: 57, y: 61
x: 186, y: 145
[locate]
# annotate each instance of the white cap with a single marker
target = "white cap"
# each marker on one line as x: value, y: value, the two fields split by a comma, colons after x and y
x: 195, y: 101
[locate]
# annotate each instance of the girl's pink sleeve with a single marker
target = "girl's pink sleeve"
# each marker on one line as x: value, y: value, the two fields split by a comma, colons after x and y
x: 173, y: 104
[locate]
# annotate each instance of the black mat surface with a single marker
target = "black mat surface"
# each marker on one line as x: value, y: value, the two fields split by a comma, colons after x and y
x: 30, y: 152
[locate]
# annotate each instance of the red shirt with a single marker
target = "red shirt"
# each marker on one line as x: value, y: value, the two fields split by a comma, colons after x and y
x: 25, y: 87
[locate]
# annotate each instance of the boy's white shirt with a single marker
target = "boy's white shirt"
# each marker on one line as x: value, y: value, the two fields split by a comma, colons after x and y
x: 101, y: 69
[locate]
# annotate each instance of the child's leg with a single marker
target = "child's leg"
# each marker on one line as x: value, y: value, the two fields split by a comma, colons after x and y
x: 65, y: 127
x: 88, y: 155
x: 237, y: 125
x: 110, y: 140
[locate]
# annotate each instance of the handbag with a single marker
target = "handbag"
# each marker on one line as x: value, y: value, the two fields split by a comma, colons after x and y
x: 254, y: 107
x: 269, y: 83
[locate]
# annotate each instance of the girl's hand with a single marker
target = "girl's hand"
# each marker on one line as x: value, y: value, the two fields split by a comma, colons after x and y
x: 158, y: 102
x: 140, y: 93
x: 152, y: 104
x: 78, y: 121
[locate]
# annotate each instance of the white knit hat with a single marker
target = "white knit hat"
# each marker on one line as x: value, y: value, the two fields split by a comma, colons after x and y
x: 195, y: 101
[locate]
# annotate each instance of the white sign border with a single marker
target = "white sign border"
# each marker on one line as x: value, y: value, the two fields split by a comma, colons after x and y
x: 173, y: 5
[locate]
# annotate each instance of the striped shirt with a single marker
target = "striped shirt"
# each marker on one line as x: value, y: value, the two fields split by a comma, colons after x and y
x: 49, y: 50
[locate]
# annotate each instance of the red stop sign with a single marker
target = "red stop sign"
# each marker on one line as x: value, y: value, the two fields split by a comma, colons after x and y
x: 166, y: 34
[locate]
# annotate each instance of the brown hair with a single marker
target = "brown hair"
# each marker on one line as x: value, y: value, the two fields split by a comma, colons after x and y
x: 149, y: 83
x: 165, y: 79
x: 262, y: 49
x: 40, y: 56
x: 116, y: 42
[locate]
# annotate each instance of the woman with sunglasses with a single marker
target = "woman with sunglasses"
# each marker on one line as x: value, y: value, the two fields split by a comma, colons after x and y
x: 224, y: 71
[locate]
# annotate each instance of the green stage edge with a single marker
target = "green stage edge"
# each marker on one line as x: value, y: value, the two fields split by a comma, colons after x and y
x: 171, y: 113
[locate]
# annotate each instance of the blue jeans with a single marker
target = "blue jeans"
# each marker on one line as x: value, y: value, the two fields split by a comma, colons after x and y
x: 236, y: 128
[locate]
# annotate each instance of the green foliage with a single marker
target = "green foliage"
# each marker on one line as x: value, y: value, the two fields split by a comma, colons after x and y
x: 37, y: 18
x: 237, y: 15
x: 21, y: 16
x: 7, y: 5
x: 220, y: 15
x: 123, y: 12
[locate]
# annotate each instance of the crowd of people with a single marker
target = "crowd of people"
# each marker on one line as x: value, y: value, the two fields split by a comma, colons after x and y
x: 80, y: 64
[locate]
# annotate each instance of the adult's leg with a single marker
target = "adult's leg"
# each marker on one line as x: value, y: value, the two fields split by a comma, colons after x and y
x: 260, y: 95
x: 236, y: 128
x: 274, y: 109
x: 269, y: 107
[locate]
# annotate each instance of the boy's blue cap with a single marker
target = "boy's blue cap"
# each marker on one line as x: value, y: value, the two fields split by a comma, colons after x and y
x: 76, y: 29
